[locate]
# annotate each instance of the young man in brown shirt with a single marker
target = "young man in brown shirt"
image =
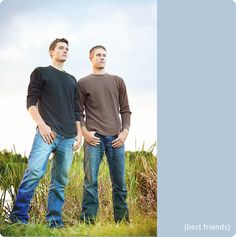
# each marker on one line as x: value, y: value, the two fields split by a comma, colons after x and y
x: 103, y: 100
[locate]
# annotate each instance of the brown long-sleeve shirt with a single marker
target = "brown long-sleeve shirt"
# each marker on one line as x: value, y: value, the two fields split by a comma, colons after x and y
x: 104, y: 100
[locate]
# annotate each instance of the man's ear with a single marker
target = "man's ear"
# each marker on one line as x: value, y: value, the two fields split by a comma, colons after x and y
x: 50, y: 52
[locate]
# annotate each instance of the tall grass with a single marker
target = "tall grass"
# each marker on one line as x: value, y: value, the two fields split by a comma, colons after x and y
x: 12, y: 166
x: 141, y: 226
x: 141, y: 180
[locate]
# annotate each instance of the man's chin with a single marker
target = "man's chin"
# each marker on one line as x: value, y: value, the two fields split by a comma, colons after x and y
x: 62, y: 60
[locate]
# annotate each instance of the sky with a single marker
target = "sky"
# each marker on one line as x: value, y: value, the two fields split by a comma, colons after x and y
x: 128, y: 30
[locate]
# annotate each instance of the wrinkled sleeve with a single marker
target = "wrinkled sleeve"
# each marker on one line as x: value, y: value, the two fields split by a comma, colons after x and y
x: 124, y: 106
x: 81, y: 97
x: 76, y: 105
x: 34, y: 88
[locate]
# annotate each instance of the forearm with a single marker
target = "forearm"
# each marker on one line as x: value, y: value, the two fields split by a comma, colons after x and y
x: 125, y: 119
x: 78, y: 127
x: 82, y: 97
x: 84, y: 130
x: 33, y: 110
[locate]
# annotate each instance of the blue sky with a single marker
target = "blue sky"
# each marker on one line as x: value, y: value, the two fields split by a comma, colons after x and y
x: 128, y: 29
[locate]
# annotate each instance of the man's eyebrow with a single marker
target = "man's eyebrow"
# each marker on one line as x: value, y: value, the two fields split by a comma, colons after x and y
x: 98, y: 54
x: 61, y: 47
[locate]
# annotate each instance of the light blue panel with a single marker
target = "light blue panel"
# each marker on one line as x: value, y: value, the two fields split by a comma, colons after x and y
x: 197, y: 117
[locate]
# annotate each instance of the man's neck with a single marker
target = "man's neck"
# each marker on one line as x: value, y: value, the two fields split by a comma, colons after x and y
x: 98, y: 71
x: 58, y: 65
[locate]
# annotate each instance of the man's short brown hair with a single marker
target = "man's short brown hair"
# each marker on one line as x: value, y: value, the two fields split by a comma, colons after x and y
x: 54, y: 43
x: 96, y: 47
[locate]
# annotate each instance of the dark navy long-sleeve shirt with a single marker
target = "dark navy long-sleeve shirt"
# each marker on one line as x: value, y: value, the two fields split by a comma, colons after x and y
x: 55, y: 93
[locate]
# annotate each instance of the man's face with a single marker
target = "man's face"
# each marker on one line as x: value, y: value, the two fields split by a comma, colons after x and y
x: 60, y: 52
x: 98, y: 58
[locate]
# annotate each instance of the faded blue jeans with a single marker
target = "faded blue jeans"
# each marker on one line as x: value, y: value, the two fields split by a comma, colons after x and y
x: 37, y: 163
x: 116, y: 161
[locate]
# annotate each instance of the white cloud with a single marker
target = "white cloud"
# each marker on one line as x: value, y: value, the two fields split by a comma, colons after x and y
x: 143, y: 128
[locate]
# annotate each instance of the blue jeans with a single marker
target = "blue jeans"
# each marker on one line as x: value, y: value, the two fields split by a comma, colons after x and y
x: 116, y: 161
x: 37, y: 163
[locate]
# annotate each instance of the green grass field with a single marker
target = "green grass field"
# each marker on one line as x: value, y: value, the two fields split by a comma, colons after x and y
x: 141, y: 180
x: 141, y: 226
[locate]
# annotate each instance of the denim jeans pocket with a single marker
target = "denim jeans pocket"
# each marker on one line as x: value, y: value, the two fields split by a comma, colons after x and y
x: 114, y: 137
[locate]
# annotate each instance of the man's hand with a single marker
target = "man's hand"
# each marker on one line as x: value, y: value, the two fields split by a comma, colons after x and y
x: 44, y: 130
x: 78, y: 138
x: 120, y: 140
x: 90, y: 137
x: 78, y: 141
x: 46, y: 133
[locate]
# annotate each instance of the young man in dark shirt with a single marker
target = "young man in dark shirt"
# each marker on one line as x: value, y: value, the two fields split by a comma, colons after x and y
x: 104, y: 99
x: 52, y: 102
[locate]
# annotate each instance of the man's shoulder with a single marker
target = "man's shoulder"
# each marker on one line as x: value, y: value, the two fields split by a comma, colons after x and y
x: 112, y: 76
x: 40, y: 68
x: 109, y: 76
x: 51, y: 70
x: 84, y: 79
x: 71, y: 76
x: 38, y: 71
x: 116, y: 78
